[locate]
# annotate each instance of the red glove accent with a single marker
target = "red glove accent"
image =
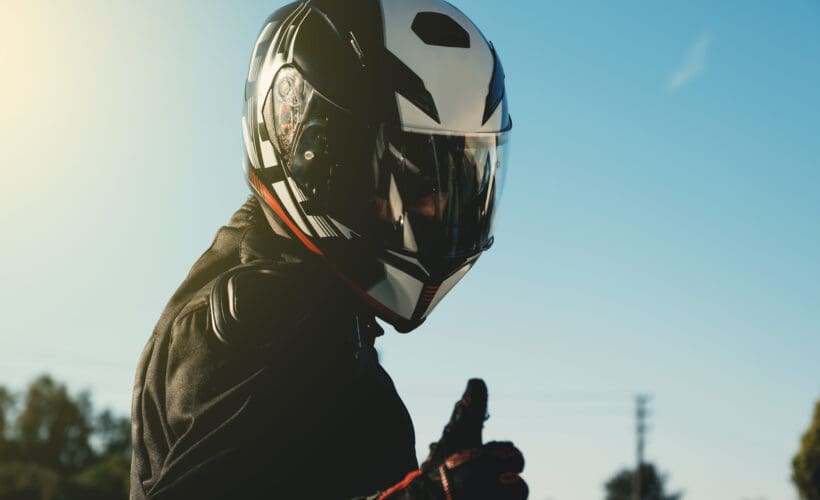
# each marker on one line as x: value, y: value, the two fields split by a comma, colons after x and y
x: 460, y: 466
x: 401, y: 485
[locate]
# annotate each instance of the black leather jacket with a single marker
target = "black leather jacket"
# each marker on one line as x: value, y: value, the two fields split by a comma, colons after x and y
x: 253, y: 384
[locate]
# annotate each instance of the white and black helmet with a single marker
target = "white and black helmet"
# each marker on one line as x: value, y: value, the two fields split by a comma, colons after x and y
x: 376, y: 132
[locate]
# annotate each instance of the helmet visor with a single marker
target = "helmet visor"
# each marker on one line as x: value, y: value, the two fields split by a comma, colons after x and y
x: 437, y: 194
x: 431, y: 194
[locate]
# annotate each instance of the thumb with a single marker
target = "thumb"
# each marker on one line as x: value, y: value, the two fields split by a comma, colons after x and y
x: 464, y: 429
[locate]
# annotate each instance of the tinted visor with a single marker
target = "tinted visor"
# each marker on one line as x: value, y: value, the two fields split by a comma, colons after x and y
x: 430, y: 194
x: 437, y: 194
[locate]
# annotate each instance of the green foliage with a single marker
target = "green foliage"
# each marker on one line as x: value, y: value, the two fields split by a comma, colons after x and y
x: 53, y: 428
x: 622, y: 484
x: 107, y: 479
x: 806, y: 463
x: 7, y: 402
x: 29, y: 481
x: 56, y: 448
x: 114, y: 433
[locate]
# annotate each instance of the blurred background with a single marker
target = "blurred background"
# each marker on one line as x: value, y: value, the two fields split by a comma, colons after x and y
x: 659, y: 237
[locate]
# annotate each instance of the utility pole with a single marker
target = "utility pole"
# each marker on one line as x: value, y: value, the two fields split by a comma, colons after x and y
x: 641, y: 413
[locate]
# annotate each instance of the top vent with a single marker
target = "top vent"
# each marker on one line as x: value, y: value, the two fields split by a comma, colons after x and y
x: 440, y: 29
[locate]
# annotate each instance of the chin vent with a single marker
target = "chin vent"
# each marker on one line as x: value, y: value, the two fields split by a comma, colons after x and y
x: 440, y: 29
x: 427, y: 295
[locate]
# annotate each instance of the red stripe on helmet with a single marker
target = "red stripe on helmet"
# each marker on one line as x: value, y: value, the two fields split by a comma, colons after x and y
x: 274, y: 204
x: 386, y: 313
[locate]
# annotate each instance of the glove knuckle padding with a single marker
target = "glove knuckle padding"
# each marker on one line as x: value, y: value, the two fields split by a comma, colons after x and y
x: 509, y: 458
x: 516, y: 490
x: 460, y: 467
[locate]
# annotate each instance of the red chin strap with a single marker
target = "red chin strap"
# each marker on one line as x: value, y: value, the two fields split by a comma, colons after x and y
x: 272, y: 202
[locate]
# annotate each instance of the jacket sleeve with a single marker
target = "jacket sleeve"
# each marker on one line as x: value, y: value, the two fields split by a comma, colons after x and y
x: 251, y: 397
x: 240, y: 410
x: 194, y: 415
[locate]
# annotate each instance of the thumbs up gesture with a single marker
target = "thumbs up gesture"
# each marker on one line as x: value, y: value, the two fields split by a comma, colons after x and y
x: 460, y: 466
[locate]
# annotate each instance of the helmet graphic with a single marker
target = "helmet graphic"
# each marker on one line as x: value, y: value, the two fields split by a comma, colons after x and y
x: 376, y: 132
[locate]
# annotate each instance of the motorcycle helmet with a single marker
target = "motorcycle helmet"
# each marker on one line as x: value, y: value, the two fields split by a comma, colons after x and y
x: 376, y: 134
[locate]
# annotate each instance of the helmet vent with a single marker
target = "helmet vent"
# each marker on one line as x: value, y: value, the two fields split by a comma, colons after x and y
x: 427, y: 296
x: 439, y: 29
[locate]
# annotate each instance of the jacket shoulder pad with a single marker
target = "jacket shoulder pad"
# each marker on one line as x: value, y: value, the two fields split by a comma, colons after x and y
x: 249, y: 304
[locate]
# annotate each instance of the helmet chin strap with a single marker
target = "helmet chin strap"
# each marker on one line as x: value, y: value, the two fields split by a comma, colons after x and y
x: 362, y: 340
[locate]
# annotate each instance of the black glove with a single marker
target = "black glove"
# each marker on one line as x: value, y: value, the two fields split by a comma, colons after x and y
x: 459, y: 466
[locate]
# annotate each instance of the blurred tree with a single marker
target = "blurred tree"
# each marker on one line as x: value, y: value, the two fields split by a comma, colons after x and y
x: 56, y: 449
x: 652, y: 485
x: 7, y: 402
x: 54, y: 429
x: 106, y: 480
x: 109, y: 477
x: 114, y: 434
x: 806, y: 463
x: 27, y: 481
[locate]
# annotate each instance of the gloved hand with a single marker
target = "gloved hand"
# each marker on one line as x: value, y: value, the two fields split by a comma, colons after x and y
x: 459, y: 466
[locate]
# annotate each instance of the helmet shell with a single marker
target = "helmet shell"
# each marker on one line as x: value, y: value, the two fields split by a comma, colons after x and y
x: 417, y: 66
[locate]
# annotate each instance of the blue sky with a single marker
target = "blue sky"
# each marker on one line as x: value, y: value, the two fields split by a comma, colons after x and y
x: 660, y: 230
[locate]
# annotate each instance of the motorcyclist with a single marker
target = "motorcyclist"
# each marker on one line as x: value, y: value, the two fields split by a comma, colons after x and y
x: 376, y: 135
